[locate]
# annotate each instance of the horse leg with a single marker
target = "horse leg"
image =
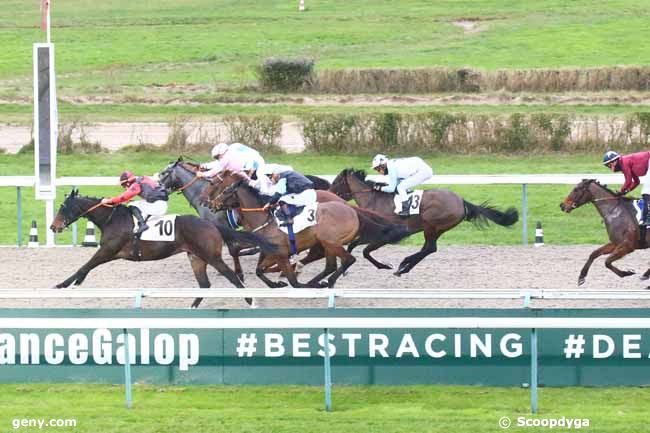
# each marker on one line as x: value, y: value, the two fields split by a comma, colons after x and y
x: 370, y: 248
x: 353, y: 245
x: 347, y: 260
x: 286, y: 267
x: 330, y: 266
x: 103, y: 255
x: 199, y: 268
x: 238, y: 270
x: 430, y: 246
x: 617, y: 254
x: 605, y: 249
x: 259, y: 271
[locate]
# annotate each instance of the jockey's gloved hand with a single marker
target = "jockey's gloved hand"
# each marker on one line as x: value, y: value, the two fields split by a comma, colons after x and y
x: 377, y: 187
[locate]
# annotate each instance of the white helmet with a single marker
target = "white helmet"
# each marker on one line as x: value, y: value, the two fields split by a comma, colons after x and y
x: 219, y: 149
x: 378, y: 160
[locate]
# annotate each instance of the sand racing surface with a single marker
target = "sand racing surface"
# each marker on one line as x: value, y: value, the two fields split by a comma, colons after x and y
x: 452, y: 267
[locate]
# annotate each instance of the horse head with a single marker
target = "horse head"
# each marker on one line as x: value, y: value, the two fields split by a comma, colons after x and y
x: 177, y: 174
x: 340, y: 185
x: 581, y: 194
x: 222, y: 193
x: 70, y: 210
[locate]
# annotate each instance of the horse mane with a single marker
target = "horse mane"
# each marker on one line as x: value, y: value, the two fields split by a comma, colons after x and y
x: 360, y: 175
x: 606, y: 188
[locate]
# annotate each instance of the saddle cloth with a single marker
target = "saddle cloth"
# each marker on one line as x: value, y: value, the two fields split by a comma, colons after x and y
x: 414, y: 198
x: 638, y: 207
x: 161, y: 228
x: 303, y: 220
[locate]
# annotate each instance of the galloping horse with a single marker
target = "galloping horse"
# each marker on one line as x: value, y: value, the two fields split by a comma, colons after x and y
x: 337, y: 224
x: 201, y: 239
x: 440, y: 211
x: 622, y: 227
x: 181, y: 176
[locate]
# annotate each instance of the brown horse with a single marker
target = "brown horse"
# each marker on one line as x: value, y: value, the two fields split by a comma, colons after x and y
x: 337, y: 224
x: 440, y: 210
x: 622, y: 227
x: 201, y: 239
x: 181, y: 176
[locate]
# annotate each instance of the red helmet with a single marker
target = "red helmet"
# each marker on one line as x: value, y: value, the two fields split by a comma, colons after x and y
x: 126, y: 178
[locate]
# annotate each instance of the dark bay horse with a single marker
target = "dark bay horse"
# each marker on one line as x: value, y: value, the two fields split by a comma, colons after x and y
x: 202, y: 240
x: 619, y: 216
x: 181, y: 176
x: 441, y: 210
x: 337, y: 224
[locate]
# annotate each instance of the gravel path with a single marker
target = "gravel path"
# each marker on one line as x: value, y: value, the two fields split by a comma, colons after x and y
x: 453, y: 267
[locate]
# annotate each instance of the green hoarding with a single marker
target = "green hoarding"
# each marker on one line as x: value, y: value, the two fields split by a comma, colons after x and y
x: 358, y: 356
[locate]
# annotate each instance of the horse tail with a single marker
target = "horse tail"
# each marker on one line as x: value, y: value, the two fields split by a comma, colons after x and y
x: 375, y: 228
x: 319, y: 182
x: 230, y: 235
x: 479, y: 215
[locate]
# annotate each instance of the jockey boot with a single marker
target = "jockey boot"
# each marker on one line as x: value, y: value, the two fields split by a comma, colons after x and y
x: 142, y: 225
x: 405, y: 209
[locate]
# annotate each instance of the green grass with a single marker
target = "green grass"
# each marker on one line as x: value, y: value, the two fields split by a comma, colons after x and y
x: 23, y: 113
x: 119, y: 46
x: 583, y: 226
x: 279, y: 409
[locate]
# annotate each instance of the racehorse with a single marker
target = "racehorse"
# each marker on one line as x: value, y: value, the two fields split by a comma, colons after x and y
x: 440, y: 210
x: 337, y: 224
x: 201, y: 239
x: 622, y: 227
x: 181, y: 176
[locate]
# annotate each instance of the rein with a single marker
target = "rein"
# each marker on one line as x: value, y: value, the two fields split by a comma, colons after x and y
x: 188, y: 184
x: 92, y: 208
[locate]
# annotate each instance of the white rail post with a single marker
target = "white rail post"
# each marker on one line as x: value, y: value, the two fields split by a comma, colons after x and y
x: 524, y: 211
x: 328, y: 367
x: 127, y: 371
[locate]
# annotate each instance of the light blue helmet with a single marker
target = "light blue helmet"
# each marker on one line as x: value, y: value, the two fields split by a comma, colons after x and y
x: 610, y: 156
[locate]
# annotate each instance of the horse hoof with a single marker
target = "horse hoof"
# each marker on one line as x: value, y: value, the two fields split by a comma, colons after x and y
x: 385, y: 266
x: 581, y: 281
x: 397, y: 273
x: 58, y: 286
x: 323, y: 285
x: 280, y: 284
x: 644, y: 277
x: 249, y: 301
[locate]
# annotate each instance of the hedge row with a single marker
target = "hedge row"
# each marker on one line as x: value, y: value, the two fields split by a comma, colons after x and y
x: 469, y: 133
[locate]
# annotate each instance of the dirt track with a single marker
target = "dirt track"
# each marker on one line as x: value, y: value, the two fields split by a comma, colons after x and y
x: 453, y: 267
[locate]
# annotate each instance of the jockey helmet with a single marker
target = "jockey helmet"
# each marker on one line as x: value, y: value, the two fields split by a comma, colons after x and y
x: 251, y: 164
x: 126, y: 178
x: 610, y: 156
x: 378, y: 160
x: 219, y: 149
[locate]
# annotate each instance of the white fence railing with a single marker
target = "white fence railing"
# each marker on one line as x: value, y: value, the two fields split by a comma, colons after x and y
x: 480, y: 179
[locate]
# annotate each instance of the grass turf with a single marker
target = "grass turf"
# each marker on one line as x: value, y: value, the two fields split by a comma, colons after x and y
x: 300, y: 408
x: 583, y: 226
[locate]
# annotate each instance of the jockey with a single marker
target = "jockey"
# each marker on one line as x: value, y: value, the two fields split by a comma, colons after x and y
x: 403, y: 174
x: 261, y: 182
x: 635, y: 170
x: 228, y: 157
x: 292, y: 189
x: 154, y: 195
